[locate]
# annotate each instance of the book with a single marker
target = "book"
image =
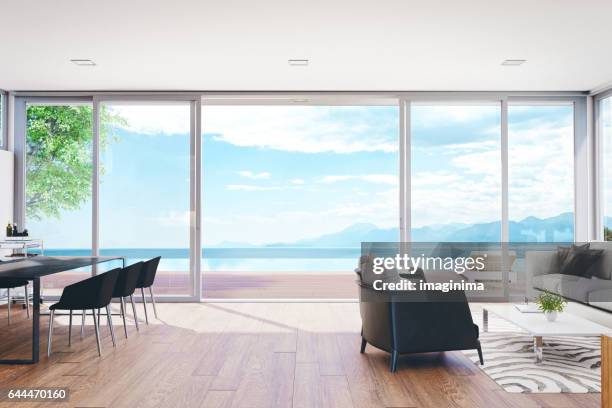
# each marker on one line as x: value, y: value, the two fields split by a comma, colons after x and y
x: 528, y: 308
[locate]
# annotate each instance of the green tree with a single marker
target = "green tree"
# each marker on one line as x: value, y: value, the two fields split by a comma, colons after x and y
x: 59, y: 156
x: 607, y: 234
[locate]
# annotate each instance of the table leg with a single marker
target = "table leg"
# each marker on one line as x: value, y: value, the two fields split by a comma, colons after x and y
x: 537, y: 348
x: 35, y: 329
x: 485, y: 320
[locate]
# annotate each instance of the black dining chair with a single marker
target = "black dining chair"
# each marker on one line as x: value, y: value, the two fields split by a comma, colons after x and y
x: 125, y: 286
x: 92, y: 293
x: 11, y: 283
x: 147, y: 278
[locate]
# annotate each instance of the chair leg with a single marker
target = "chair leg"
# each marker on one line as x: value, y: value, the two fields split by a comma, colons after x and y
x: 70, y: 329
x: 144, y: 303
x: 123, y: 316
x: 480, y: 354
x: 83, y: 324
x: 27, y: 300
x: 98, y: 317
x: 363, y: 345
x: 8, y: 304
x: 134, y: 312
x: 109, y: 319
x: 97, y: 327
x: 153, y: 301
x: 50, y: 339
x: 394, y: 358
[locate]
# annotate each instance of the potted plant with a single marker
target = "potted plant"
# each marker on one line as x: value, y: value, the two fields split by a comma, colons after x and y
x: 551, y: 304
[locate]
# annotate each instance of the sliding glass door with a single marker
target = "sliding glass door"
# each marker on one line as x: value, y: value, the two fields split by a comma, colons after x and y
x: 604, y: 110
x: 58, y: 182
x: 289, y: 194
x: 144, y: 189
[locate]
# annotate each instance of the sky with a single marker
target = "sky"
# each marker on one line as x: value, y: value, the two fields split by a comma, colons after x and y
x: 286, y: 173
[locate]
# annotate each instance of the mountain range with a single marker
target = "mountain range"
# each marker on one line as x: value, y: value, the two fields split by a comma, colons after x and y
x: 530, y: 229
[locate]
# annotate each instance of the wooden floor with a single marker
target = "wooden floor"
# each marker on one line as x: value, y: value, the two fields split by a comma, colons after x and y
x: 251, y: 355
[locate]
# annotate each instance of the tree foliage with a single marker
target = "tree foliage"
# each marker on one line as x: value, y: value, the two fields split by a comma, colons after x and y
x: 59, y: 156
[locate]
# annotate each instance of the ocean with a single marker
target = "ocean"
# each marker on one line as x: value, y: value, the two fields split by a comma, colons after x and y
x: 277, y: 259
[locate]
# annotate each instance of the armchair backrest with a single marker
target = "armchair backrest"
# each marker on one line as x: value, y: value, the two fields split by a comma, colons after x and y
x: 127, y: 280
x: 147, y: 275
x: 92, y: 293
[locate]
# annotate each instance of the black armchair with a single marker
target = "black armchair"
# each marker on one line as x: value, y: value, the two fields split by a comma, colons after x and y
x: 92, y: 293
x: 126, y: 285
x: 146, y: 280
x: 430, y: 322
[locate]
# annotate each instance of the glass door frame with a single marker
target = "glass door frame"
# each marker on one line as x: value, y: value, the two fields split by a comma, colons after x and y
x: 194, y: 179
x: 20, y: 126
x: 317, y: 99
x: 599, y: 162
x: 583, y: 191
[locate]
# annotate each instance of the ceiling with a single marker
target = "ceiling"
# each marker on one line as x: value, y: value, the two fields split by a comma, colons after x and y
x: 352, y: 45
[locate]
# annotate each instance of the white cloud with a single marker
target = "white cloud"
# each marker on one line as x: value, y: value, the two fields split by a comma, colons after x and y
x: 254, y: 176
x: 469, y: 191
x: 248, y: 187
x: 302, y: 128
x: 151, y: 119
x: 297, y: 181
x: 173, y: 218
x: 390, y: 179
x: 432, y: 115
x: 335, y: 179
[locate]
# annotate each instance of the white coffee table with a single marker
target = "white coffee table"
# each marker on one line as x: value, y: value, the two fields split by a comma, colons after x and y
x: 537, y: 325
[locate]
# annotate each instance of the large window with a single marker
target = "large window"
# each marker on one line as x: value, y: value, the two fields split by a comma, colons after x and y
x: 456, y: 172
x: 289, y: 191
x: 144, y: 188
x: 58, y: 193
x: 605, y: 136
x: 541, y: 172
x: 289, y: 194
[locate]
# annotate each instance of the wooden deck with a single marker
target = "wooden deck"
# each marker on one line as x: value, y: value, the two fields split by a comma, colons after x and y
x: 251, y: 355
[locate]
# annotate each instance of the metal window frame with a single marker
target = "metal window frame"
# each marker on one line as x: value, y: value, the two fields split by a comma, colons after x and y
x: 582, y: 159
x: 4, y: 115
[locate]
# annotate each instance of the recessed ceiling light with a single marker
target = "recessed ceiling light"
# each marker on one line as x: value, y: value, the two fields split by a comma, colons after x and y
x: 513, y: 62
x: 83, y: 62
x: 298, y: 62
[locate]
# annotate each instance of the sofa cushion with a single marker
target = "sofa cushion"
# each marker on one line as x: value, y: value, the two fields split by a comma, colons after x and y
x: 578, y: 260
x: 602, y: 269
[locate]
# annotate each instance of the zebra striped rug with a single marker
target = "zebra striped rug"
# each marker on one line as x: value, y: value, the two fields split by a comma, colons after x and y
x: 571, y: 364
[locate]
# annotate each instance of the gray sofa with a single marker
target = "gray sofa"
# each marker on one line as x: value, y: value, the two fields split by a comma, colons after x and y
x: 542, y: 273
